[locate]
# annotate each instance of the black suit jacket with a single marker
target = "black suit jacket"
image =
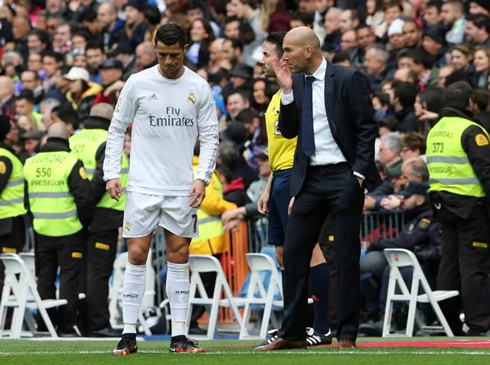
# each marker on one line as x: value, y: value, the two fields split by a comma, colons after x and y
x: 350, y: 116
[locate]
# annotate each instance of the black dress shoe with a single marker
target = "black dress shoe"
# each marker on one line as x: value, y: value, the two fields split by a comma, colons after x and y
x: 105, y: 332
x: 281, y: 344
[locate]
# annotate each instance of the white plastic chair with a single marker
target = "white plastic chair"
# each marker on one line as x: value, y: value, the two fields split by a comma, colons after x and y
x: 402, y: 258
x: 116, y: 292
x: 202, y: 264
x: 17, y: 294
x: 258, y: 263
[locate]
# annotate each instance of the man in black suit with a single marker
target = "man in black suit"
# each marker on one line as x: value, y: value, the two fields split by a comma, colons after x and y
x: 329, y: 108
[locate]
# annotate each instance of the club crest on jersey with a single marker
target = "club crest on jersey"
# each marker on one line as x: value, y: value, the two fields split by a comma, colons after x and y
x: 191, y: 98
x: 127, y: 227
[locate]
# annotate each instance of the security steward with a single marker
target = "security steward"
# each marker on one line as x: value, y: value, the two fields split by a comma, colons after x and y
x: 458, y: 158
x: 57, y: 195
x: 12, y: 211
x: 89, y: 146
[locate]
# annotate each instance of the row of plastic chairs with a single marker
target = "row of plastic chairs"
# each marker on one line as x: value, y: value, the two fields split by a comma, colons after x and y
x: 260, y: 296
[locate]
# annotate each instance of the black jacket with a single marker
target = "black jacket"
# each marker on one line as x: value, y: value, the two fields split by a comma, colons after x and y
x: 80, y: 187
x: 350, y: 116
x: 104, y: 218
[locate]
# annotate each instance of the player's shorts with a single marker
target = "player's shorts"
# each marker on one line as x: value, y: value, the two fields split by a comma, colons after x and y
x: 278, y: 207
x: 144, y: 213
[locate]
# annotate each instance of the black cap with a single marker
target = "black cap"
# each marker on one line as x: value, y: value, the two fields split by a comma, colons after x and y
x: 415, y: 188
x: 4, y: 127
x: 122, y: 48
x: 138, y: 4
x: 437, y: 33
x: 242, y: 70
x: 112, y: 63
x: 33, y: 135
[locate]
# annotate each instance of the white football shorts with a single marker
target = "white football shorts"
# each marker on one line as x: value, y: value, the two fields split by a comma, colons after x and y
x: 144, y: 213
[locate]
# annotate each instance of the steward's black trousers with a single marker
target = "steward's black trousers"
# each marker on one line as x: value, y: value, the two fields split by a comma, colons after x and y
x: 65, y: 252
x: 334, y: 190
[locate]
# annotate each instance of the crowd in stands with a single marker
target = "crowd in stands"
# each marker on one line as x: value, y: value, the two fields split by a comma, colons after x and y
x: 59, y: 58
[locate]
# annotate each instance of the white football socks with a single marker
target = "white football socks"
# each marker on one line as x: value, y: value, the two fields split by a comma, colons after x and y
x: 133, y: 291
x: 178, y: 286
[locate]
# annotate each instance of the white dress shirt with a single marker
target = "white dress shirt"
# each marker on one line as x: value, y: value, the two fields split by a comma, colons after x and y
x: 327, y: 152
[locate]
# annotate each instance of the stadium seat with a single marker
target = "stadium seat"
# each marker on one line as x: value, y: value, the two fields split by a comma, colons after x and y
x: 202, y: 264
x: 257, y: 294
x: 20, y: 292
x: 116, y: 291
x: 403, y: 258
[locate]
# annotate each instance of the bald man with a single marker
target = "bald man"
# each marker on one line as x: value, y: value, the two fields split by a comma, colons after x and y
x: 7, y: 97
x: 58, y: 196
x: 89, y: 146
x: 328, y: 108
x: 146, y: 56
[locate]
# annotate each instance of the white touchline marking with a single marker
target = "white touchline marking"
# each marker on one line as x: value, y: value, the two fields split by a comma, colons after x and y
x: 295, y: 352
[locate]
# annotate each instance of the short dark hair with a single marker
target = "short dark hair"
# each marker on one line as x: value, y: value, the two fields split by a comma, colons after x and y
x: 405, y: 92
x: 390, y: 122
x: 170, y: 34
x: 41, y: 35
x: 27, y: 95
x: 88, y: 15
x: 341, y: 56
x: 94, y: 44
x: 480, y: 21
x: 193, y: 4
x: 481, y: 97
x: 81, y: 32
x: 59, y: 57
x: 236, y: 43
x: 364, y: 26
x: 231, y: 19
x: 458, y: 95
x: 383, y: 98
x: 457, y: 76
x: 67, y: 114
x: 392, y: 4
x: 277, y: 38
x: 152, y: 14
x: 303, y: 17
x: 434, y: 4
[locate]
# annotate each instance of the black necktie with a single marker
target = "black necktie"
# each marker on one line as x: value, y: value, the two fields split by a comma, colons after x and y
x: 307, y: 133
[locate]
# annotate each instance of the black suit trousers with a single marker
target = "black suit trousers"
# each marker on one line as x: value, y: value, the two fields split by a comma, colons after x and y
x: 333, y: 190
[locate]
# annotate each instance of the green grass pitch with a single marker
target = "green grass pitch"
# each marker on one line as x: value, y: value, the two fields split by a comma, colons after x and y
x: 22, y: 352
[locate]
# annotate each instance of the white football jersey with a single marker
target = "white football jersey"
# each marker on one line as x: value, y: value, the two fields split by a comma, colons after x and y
x: 167, y: 116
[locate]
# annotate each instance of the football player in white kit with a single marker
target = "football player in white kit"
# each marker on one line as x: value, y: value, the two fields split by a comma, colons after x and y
x: 170, y: 106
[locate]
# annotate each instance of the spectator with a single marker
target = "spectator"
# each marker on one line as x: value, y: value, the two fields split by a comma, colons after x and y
x: 428, y: 106
x: 32, y: 141
x: 412, y: 146
x: 452, y: 14
x: 332, y: 27
x: 82, y: 92
x: 201, y: 36
x: 481, y: 101
x: 89, y: 20
x: 479, y: 7
x: 274, y: 17
x: 412, y: 33
x: 482, y: 66
x: 134, y: 27
x: 376, y: 16
x: 432, y: 13
x: 51, y: 62
x: 229, y: 155
x: 261, y: 95
x: 434, y: 42
x: 349, y: 42
x: 381, y: 105
x: 31, y: 81
x: 216, y: 56
x: 7, y: 97
x: 38, y: 41
x: 393, y: 10
x: 21, y: 26
x: 95, y: 57
x: 301, y: 19
x: 195, y: 10
x: 236, y: 102
x: 152, y: 19
x: 365, y: 37
x: 112, y: 26
x: 62, y: 38
x: 24, y: 105
x: 233, y: 190
x: 461, y: 57
x: 240, y: 76
x: 232, y: 53
x: 125, y: 54
x: 405, y: 94
x: 26, y: 123
x: 232, y: 27
x: 146, y: 56
x: 342, y: 58
x: 396, y: 36
x: 478, y: 30
x: 444, y: 73
x: 376, y: 65
x: 246, y: 10
x: 111, y: 72
x: 35, y: 62
x: 349, y: 20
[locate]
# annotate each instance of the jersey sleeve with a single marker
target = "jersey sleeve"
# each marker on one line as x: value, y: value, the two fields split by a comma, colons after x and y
x: 124, y: 113
x: 207, y: 125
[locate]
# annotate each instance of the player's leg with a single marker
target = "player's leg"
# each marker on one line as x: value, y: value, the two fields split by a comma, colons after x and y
x: 141, y: 217
x: 320, y: 284
x: 180, y: 223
